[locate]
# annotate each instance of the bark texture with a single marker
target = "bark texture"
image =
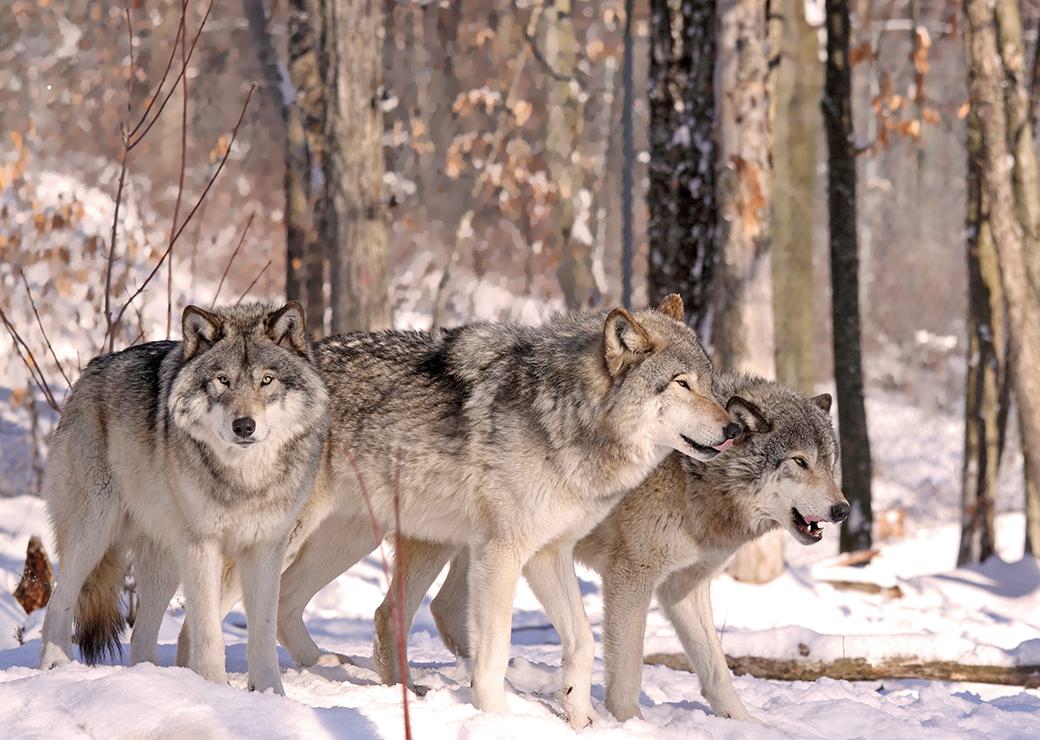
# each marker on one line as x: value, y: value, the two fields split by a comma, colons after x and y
x: 796, y: 136
x: 683, y: 214
x: 1001, y: 181
x: 354, y: 226
x: 987, y: 392
x: 841, y: 199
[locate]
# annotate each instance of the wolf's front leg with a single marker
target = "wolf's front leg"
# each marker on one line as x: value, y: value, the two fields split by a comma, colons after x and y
x: 260, y: 569
x: 201, y: 567
x: 552, y: 578
x: 626, y: 600
x: 685, y: 597
x: 493, y: 574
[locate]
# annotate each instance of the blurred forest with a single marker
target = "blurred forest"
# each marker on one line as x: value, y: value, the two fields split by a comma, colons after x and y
x: 461, y: 160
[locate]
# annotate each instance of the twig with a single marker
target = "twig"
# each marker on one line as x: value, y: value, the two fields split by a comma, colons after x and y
x: 130, y: 77
x: 255, y: 280
x: 30, y: 362
x: 184, y: 152
x: 39, y: 322
x: 158, y: 90
x: 187, y: 219
x: 399, y: 615
x: 234, y: 254
x: 180, y: 76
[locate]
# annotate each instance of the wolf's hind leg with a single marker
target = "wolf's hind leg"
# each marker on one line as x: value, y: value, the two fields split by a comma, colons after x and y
x: 626, y: 600
x: 155, y: 574
x: 493, y: 574
x: 450, y: 605
x: 685, y: 597
x: 552, y: 578
x: 85, y: 537
x: 328, y: 552
x: 416, y: 565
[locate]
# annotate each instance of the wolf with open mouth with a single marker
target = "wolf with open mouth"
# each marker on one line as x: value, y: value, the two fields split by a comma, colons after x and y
x: 673, y: 533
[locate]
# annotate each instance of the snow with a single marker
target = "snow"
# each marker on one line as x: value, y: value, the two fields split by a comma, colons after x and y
x: 987, y: 614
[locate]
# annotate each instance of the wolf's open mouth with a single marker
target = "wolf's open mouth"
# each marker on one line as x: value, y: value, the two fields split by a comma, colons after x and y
x: 809, y: 526
x: 706, y: 451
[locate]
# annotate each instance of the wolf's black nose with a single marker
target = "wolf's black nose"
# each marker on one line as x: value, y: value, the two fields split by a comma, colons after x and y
x: 243, y: 426
x: 839, y: 513
x: 732, y: 430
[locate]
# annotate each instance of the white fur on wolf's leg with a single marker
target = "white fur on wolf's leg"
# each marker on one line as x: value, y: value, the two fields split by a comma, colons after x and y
x: 201, y: 571
x: 330, y: 550
x: 685, y: 597
x: 260, y: 570
x: 550, y: 573
x: 416, y: 565
x: 494, y: 571
x: 627, y: 597
x: 156, y: 577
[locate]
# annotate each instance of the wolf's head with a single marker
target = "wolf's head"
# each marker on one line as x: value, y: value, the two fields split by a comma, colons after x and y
x: 788, y: 454
x: 662, y: 378
x: 247, y: 380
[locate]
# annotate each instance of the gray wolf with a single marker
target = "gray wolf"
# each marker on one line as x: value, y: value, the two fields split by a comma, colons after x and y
x: 187, y: 454
x: 513, y: 441
x: 673, y: 533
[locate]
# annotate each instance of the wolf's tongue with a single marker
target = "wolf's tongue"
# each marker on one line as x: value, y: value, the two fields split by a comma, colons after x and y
x: 724, y: 446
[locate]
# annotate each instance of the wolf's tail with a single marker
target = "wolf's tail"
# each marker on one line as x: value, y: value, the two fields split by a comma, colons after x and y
x: 99, y: 622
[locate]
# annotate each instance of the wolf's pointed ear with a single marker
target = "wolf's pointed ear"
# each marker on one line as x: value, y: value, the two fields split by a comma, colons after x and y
x: 748, y: 415
x: 823, y: 401
x: 201, y: 329
x: 672, y: 306
x: 624, y: 339
x: 286, y: 328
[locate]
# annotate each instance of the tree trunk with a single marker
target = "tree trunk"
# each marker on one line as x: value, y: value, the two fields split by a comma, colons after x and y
x: 848, y: 362
x: 796, y: 136
x: 683, y: 218
x: 1027, y: 198
x: 564, y: 115
x: 986, y: 402
x: 986, y: 84
x: 743, y: 306
x: 355, y: 228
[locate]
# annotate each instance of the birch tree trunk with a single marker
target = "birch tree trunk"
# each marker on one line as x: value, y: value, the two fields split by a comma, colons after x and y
x: 796, y: 137
x: 355, y: 228
x: 683, y: 214
x: 743, y: 304
x: 986, y: 401
x: 848, y: 362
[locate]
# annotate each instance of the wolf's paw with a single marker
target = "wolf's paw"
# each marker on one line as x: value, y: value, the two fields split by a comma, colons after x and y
x: 419, y: 689
x: 52, y: 656
x: 331, y: 660
x: 625, y: 712
x: 265, y: 683
x: 735, y: 711
x: 579, y: 711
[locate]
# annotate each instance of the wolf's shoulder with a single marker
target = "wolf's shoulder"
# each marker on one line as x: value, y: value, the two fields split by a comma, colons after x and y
x: 140, y: 358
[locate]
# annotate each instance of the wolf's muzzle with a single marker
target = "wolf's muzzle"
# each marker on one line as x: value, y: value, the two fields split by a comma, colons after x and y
x: 243, y: 426
x: 839, y: 513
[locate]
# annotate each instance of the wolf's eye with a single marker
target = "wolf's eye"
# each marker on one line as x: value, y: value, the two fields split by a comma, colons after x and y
x: 223, y: 380
x: 682, y: 383
x: 267, y: 380
x: 800, y: 462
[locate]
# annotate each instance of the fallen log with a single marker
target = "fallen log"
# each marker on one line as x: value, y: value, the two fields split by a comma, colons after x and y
x: 858, y: 669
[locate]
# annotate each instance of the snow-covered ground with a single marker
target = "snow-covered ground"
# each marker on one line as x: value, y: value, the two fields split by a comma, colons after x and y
x: 985, y: 615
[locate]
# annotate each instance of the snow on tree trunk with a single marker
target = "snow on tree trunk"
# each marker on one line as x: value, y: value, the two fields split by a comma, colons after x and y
x: 848, y: 362
x: 355, y: 228
x: 795, y: 139
x: 683, y: 215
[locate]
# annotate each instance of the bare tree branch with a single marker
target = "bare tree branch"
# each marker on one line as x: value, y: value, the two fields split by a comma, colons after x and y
x: 43, y: 331
x: 255, y: 281
x: 231, y: 261
x: 29, y: 360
